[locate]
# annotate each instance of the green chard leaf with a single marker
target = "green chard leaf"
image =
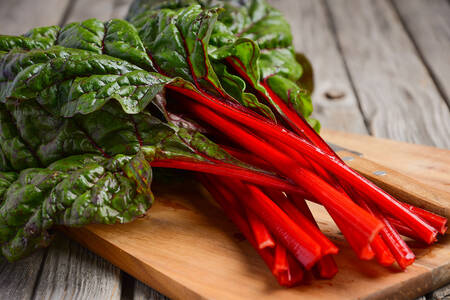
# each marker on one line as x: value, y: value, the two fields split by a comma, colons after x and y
x: 68, y: 154
x: 267, y: 28
x: 256, y: 39
x: 74, y: 191
x: 236, y: 87
x: 176, y: 51
x: 177, y: 42
x: 77, y: 136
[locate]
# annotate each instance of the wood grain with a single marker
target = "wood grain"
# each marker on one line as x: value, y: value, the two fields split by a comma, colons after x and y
x: 19, y: 16
x: 426, y: 164
x: 100, y: 9
x: 17, y: 280
x: 313, y: 36
x: 120, y: 8
x: 402, y: 187
x: 397, y: 94
x: 86, y: 9
x: 73, y: 272
x: 144, y: 292
x: 428, y: 22
x: 441, y: 294
x: 186, y: 249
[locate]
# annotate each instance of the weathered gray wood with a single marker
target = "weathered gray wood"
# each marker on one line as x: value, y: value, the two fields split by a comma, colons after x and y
x: 143, y: 292
x: 120, y: 8
x: 17, y: 279
x: 100, y: 9
x: 73, y: 272
x: 428, y: 23
x: 396, y: 93
x: 18, y: 16
x: 86, y: 9
x: 313, y: 36
x: 441, y: 294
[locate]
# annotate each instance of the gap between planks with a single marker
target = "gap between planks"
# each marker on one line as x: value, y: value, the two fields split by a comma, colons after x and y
x: 72, y: 3
x: 312, y: 34
x: 396, y: 93
x: 428, y: 25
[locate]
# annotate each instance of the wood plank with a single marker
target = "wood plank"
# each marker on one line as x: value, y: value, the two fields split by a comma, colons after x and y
x: 441, y: 294
x: 338, y: 123
x: 17, y: 280
x: 430, y: 165
x: 86, y: 9
x: 313, y: 36
x: 120, y: 8
x: 73, y: 272
x: 19, y: 16
x: 186, y: 249
x: 144, y: 292
x: 100, y: 9
x: 428, y: 23
x: 396, y: 93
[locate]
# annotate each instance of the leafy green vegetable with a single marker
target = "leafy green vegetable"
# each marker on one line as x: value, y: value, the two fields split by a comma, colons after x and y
x: 170, y: 36
x: 73, y: 191
x: 79, y: 157
x: 88, y: 109
x: 77, y: 135
x: 257, y: 40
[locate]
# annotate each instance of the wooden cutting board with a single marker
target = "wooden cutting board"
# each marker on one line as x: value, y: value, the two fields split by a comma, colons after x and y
x: 186, y: 249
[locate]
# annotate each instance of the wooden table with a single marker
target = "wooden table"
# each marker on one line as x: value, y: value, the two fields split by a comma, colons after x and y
x: 381, y: 68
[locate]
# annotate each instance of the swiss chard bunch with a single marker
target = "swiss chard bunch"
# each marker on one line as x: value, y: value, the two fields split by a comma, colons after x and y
x: 78, y: 135
x: 87, y: 110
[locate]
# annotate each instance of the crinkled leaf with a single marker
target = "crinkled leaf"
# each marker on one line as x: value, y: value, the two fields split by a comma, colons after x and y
x: 117, y: 38
x: 246, y: 54
x: 266, y: 27
x: 15, y: 154
x: 75, y: 191
x: 177, y: 41
x: 68, y: 81
x: 98, y: 127
x: 6, y: 179
x: 235, y: 86
x: 257, y: 40
x: 30, y: 73
x: 86, y: 35
x: 279, y: 62
x: 252, y: 36
x: 258, y: 21
x: 134, y: 91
